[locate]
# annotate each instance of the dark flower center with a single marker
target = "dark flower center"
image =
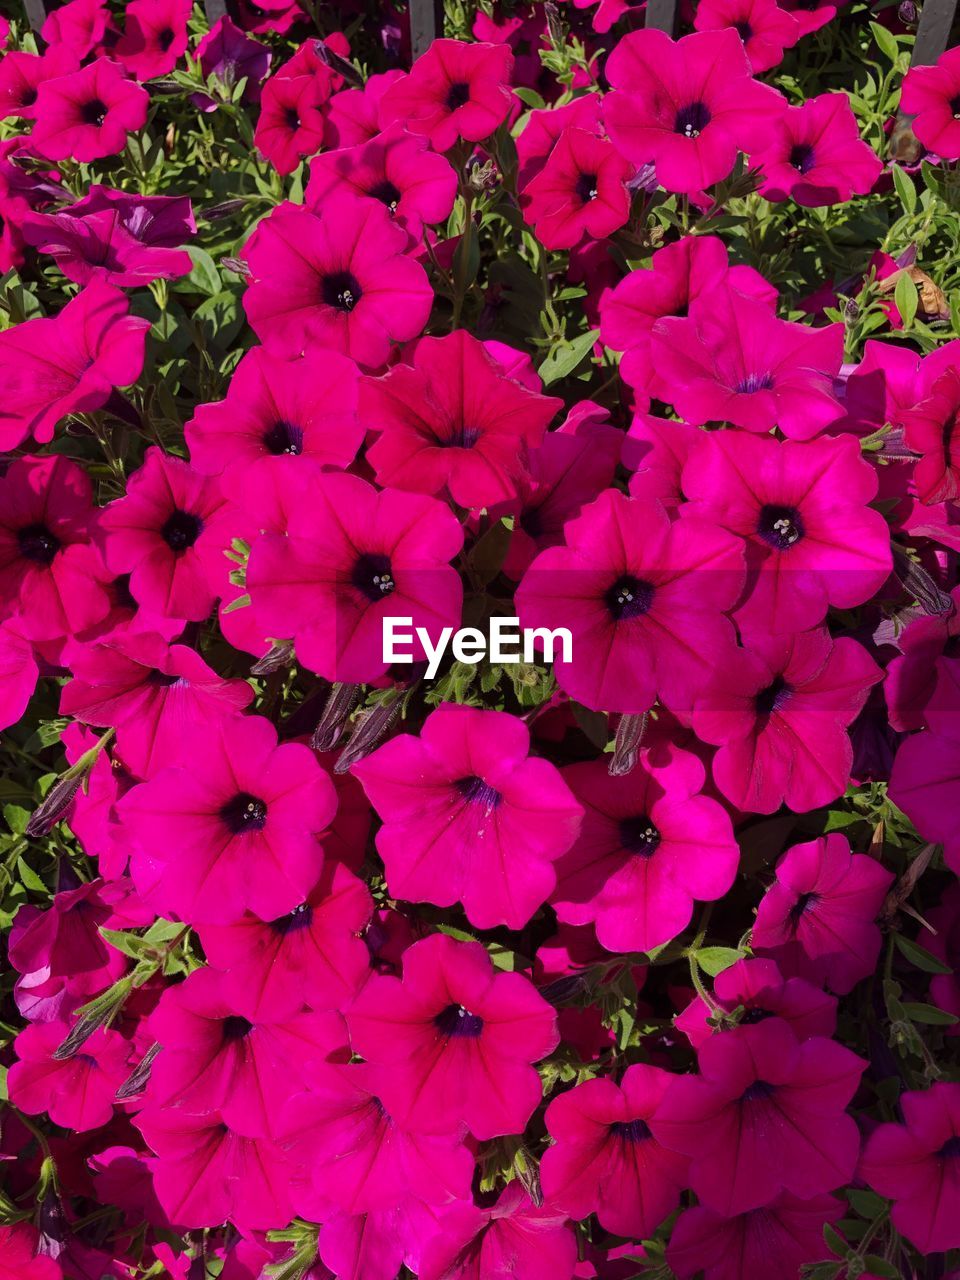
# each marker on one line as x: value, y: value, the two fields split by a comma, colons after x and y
x: 458, y: 95
x: 38, y: 543
x: 387, y: 194
x: 295, y: 920
x: 235, y: 1027
x: 284, y: 437
x: 244, y: 813
x: 181, y: 530
x: 476, y: 791
x: 773, y: 697
x: 743, y: 30
x: 955, y: 107
x: 341, y: 290
x: 586, y: 187
x: 780, y: 527
x: 28, y: 97
x: 631, y: 1130
x: 161, y: 680
x: 462, y: 437
x: 692, y: 120
x: 753, y: 383
x: 757, y: 1091
x: 806, y: 902
x: 950, y: 1149
x: 292, y: 118
x: 639, y: 835
x: 93, y: 112
x: 629, y: 597
x: 456, y: 1021
x: 165, y: 39
x: 373, y: 576
x: 753, y: 1016
x: 802, y: 157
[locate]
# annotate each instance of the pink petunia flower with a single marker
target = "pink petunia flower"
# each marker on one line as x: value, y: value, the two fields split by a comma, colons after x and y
x: 469, y: 816
x: 169, y: 532
x: 78, y: 1092
x: 397, y: 168
x: 925, y: 780
x: 19, y: 1256
x: 544, y: 127
x: 511, y: 1238
x: 80, y: 26
x: 643, y: 600
x: 21, y: 74
x: 767, y: 1113
x: 678, y: 275
x: 356, y: 1156
x: 686, y: 106
x: 291, y: 123
x: 213, y: 1059
x: 765, y: 29
x: 605, y: 1160
x: 655, y: 450
x: 731, y: 361
x: 51, y: 578
x: 818, y: 917
x: 236, y: 804
x: 945, y: 945
x: 231, y: 55
x: 353, y: 556
x: 355, y: 113
x: 811, y: 538
x: 932, y: 428
x: 776, y: 1241
x: 780, y: 714
x: 87, y: 114
x: 816, y: 156
x: 69, y: 363
x: 580, y: 191
x: 312, y: 955
x: 759, y: 988
x: 453, y: 423
x: 650, y: 845
x: 915, y: 1165
x: 930, y: 95
x: 154, y: 36
x: 151, y: 692
x: 276, y: 411
x: 457, y: 1038
x: 456, y: 90
x: 341, y: 281
x: 18, y: 674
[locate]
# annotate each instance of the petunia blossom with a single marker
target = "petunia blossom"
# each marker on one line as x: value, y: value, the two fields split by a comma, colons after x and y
x: 154, y: 36
x: 19, y: 1256
x: 88, y: 114
x: 77, y: 1092
x: 580, y: 191
x: 929, y: 95
x: 765, y: 29
x: 291, y: 122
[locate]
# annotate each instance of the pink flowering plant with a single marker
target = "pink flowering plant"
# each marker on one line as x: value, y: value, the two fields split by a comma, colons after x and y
x: 479, y: 642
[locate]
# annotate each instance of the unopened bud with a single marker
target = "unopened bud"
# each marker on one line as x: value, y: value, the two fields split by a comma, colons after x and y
x: 336, y: 712
x: 54, y: 806
x: 918, y: 583
x: 340, y: 65
x: 907, y: 12
x: 139, y: 1077
x: 98, y: 1013
x: 627, y: 744
x: 279, y: 655
x: 370, y: 728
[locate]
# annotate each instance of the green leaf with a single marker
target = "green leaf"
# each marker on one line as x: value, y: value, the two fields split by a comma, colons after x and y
x: 562, y: 361
x: 929, y: 1014
x: 714, y: 960
x: 29, y: 878
x: 881, y: 1267
x: 867, y: 1203
x: 204, y: 278
x: 920, y: 956
x: 905, y: 296
x: 835, y: 1241
x: 886, y: 42
x: 905, y: 189
x: 530, y: 97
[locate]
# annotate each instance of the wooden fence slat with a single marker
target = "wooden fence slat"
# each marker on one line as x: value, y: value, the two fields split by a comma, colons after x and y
x: 933, y: 33
x: 215, y: 10
x: 36, y: 12
x: 663, y: 14
x: 426, y: 24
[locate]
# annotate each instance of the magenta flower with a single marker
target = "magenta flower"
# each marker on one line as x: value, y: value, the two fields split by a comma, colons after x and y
x: 678, y: 275
x: 931, y: 428
x: 686, y: 106
x: 397, y: 168
x: 740, y: 1247
x: 215, y: 1060
x: 650, y: 845
x: 353, y: 556
x: 605, y: 1160
x: 312, y: 955
x: 818, y: 917
x: 543, y: 128
x: 643, y: 600
x: 231, y: 55
x: 456, y: 90
x: 457, y: 1038
x: 81, y: 26
x: 815, y: 155
x: 19, y: 1256
x: 761, y: 990
x: 765, y: 29
x: 731, y: 361
x: 88, y: 114
x: 232, y: 827
x: 51, y: 578
x: 169, y: 532
x: 154, y: 36
x: 276, y: 411
x: 291, y: 123
x: 356, y: 1156
x: 510, y: 1238
x: 21, y: 74
x: 70, y: 363
x: 469, y: 816
x: 945, y: 987
x: 811, y: 538
x: 580, y: 191
x: 925, y: 781
x: 915, y: 1165
x: 656, y: 450
x: 453, y: 422
x: 341, y: 281
x: 18, y: 675
x: 78, y: 1092
x: 756, y: 1082
x: 929, y: 94
x: 779, y: 713
x: 152, y: 692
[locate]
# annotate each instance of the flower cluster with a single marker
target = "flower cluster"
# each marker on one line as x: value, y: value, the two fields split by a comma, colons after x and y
x: 635, y: 957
